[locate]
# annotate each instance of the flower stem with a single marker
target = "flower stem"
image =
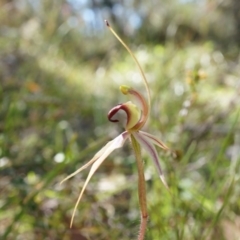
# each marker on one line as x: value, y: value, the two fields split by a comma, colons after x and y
x: 141, y: 189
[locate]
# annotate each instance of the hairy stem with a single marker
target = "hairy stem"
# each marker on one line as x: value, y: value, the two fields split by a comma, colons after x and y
x: 141, y: 189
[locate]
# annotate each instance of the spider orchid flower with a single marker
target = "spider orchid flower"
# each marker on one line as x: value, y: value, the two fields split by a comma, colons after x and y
x: 136, y: 118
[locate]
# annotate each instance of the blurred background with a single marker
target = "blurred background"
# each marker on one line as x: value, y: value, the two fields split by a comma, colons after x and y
x: 60, y: 71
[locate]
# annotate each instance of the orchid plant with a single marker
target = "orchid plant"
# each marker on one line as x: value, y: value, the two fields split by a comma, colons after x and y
x: 136, y: 119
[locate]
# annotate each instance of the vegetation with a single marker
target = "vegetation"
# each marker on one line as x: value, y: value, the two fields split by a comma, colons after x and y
x: 57, y: 83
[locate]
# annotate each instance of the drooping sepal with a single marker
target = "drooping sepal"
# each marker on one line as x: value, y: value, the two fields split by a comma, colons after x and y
x: 150, y: 149
x: 96, y: 161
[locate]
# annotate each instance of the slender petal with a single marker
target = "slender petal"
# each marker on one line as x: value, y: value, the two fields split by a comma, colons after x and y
x: 149, y: 147
x: 112, y: 145
x: 96, y: 157
x: 154, y: 140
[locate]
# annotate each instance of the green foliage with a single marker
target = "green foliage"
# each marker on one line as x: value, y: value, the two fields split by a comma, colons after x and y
x: 56, y: 87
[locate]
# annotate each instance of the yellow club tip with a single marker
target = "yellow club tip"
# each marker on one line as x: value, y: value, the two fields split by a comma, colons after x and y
x: 124, y: 89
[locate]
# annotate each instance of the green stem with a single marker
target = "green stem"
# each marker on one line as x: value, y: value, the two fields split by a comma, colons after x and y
x: 141, y: 188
